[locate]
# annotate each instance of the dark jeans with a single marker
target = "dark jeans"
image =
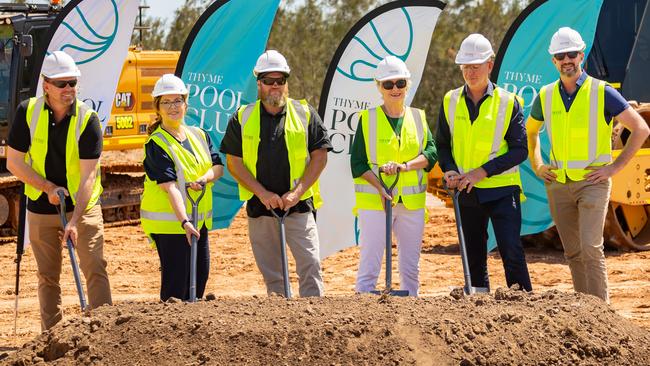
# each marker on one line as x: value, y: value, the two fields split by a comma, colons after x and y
x: 174, y: 253
x: 505, y: 214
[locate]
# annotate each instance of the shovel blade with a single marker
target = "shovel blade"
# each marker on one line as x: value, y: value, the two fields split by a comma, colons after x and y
x: 401, y: 293
x: 476, y: 290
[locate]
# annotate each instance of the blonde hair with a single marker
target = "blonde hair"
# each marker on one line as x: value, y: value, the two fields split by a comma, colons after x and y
x: 158, y: 120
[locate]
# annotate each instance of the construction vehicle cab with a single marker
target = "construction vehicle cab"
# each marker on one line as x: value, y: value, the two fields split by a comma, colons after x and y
x: 23, y: 32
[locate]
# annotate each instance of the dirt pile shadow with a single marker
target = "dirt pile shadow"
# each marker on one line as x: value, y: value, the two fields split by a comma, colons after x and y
x: 505, y: 328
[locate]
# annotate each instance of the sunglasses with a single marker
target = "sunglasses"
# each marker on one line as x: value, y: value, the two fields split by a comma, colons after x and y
x: 389, y: 84
x: 272, y: 81
x: 62, y: 83
x: 561, y: 56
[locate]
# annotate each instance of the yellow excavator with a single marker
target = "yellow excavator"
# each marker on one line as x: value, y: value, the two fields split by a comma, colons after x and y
x: 132, y: 111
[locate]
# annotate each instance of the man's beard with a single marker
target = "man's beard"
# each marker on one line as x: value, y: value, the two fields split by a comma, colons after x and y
x: 569, y: 73
x: 275, y: 99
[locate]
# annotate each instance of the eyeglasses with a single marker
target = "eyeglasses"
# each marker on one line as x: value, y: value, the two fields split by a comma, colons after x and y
x: 62, y: 83
x: 175, y: 103
x: 271, y: 81
x: 561, y: 56
x: 389, y: 84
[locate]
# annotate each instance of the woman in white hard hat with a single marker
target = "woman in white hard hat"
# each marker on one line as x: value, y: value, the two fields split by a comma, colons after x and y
x: 176, y: 155
x: 392, y: 138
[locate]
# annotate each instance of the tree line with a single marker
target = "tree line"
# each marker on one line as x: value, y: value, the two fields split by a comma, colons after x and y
x: 308, y: 32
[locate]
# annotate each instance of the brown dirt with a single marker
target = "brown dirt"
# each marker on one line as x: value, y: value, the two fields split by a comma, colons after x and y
x: 340, y: 329
x: 551, y: 328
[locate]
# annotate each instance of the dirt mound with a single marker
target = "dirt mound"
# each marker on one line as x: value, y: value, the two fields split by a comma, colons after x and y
x: 549, y: 328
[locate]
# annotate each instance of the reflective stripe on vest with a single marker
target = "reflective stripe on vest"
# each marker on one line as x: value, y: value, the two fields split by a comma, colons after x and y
x: 372, y: 147
x: 593, y: 156
x: 580, y: 137
x: 165, y: 220
x: 411, y: 187
x: 498, y: 133
x: 78, y: 121
x: 476, y: 142
x: 294, y: 107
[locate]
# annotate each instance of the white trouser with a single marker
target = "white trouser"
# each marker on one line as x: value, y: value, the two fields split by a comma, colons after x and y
x: 408, y: 228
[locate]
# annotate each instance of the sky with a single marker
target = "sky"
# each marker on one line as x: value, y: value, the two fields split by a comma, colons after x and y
x: 161, y: 8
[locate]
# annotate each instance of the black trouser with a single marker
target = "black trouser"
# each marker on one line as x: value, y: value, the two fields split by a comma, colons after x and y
x: 174, y: 253
x: 505, y: 214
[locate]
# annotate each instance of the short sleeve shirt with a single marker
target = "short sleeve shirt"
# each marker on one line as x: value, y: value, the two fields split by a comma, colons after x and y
x: 90, y: 147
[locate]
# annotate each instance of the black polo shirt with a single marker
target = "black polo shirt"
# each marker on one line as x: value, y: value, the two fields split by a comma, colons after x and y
x: 90, y: 147
x: 160, y: 167
x: 272, y: 155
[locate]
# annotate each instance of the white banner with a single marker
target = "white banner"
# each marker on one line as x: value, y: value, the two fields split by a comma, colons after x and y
x: 97, y: 34
x: 400, y: 28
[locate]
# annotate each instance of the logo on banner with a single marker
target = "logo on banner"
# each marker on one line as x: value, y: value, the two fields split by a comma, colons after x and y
x: 367, y: 66
x: 210, y: 102
x: 345, y: 111
x: 91, y: 44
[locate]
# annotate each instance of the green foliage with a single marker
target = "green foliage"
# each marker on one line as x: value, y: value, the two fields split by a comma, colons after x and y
x: 308, y: 32
x: 153, y: 38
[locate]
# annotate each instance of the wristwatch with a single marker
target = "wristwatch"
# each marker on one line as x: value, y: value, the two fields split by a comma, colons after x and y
x: 183, y: 223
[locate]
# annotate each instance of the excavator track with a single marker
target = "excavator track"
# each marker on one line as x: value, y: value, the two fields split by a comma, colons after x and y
x: 123, y: 182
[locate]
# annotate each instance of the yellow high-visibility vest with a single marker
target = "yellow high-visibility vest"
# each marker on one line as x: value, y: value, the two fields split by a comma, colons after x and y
x: 156, y: 213
x: 383, y: 146
x: 38, y: 120
x: 474, y: 144
x: 580, y: 137
x: 296, y: 138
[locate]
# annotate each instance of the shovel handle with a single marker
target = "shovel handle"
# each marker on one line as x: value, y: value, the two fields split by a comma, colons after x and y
x: 389, y: 189
x: 189, y: 197
x: 283, y: 214
x: 71, y: 252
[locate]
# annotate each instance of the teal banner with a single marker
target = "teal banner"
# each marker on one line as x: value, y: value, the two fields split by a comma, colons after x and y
x: 217, y: 65
x: 523, y: 65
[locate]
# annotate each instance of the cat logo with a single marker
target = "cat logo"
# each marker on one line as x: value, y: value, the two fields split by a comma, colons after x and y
x: 124, y: 100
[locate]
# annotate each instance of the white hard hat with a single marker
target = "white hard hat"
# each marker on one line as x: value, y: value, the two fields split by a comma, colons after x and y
x: 391, y: 68
x: 59, y: 64
x: 475, y: 49
x: 271, y: 61
x: 566, y: 40
x: 169, y: 84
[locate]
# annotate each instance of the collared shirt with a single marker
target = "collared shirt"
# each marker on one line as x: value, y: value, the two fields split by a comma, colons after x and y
x: 273, y: 170
x: 90, y: 147
x: 160, y: 167
x: 614, y: 101
x: 359, y: 159
x: 515, y: 138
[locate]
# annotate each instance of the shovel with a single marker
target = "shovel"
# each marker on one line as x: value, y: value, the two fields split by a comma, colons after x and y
x: 388, y: 209
x: 283, y: 252
x: 194, y: 243
x: 468, y: 289
x: 71, y: 252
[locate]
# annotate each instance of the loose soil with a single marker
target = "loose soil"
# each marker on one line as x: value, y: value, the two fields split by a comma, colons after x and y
x: 244, y: 326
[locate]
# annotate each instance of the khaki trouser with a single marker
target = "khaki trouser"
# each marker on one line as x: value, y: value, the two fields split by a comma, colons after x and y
x: 579, y: 210
x: 302, y: 240
x: 44, y: 238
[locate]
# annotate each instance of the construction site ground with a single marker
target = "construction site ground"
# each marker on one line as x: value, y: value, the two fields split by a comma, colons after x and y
x: 243, y: 326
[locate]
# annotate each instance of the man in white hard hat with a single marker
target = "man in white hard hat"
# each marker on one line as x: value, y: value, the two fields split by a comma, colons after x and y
x: 391, y: 137
x: 54, y: 145
x: 481, y: 141
x: 577, y: 111
x: 276, y: 149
